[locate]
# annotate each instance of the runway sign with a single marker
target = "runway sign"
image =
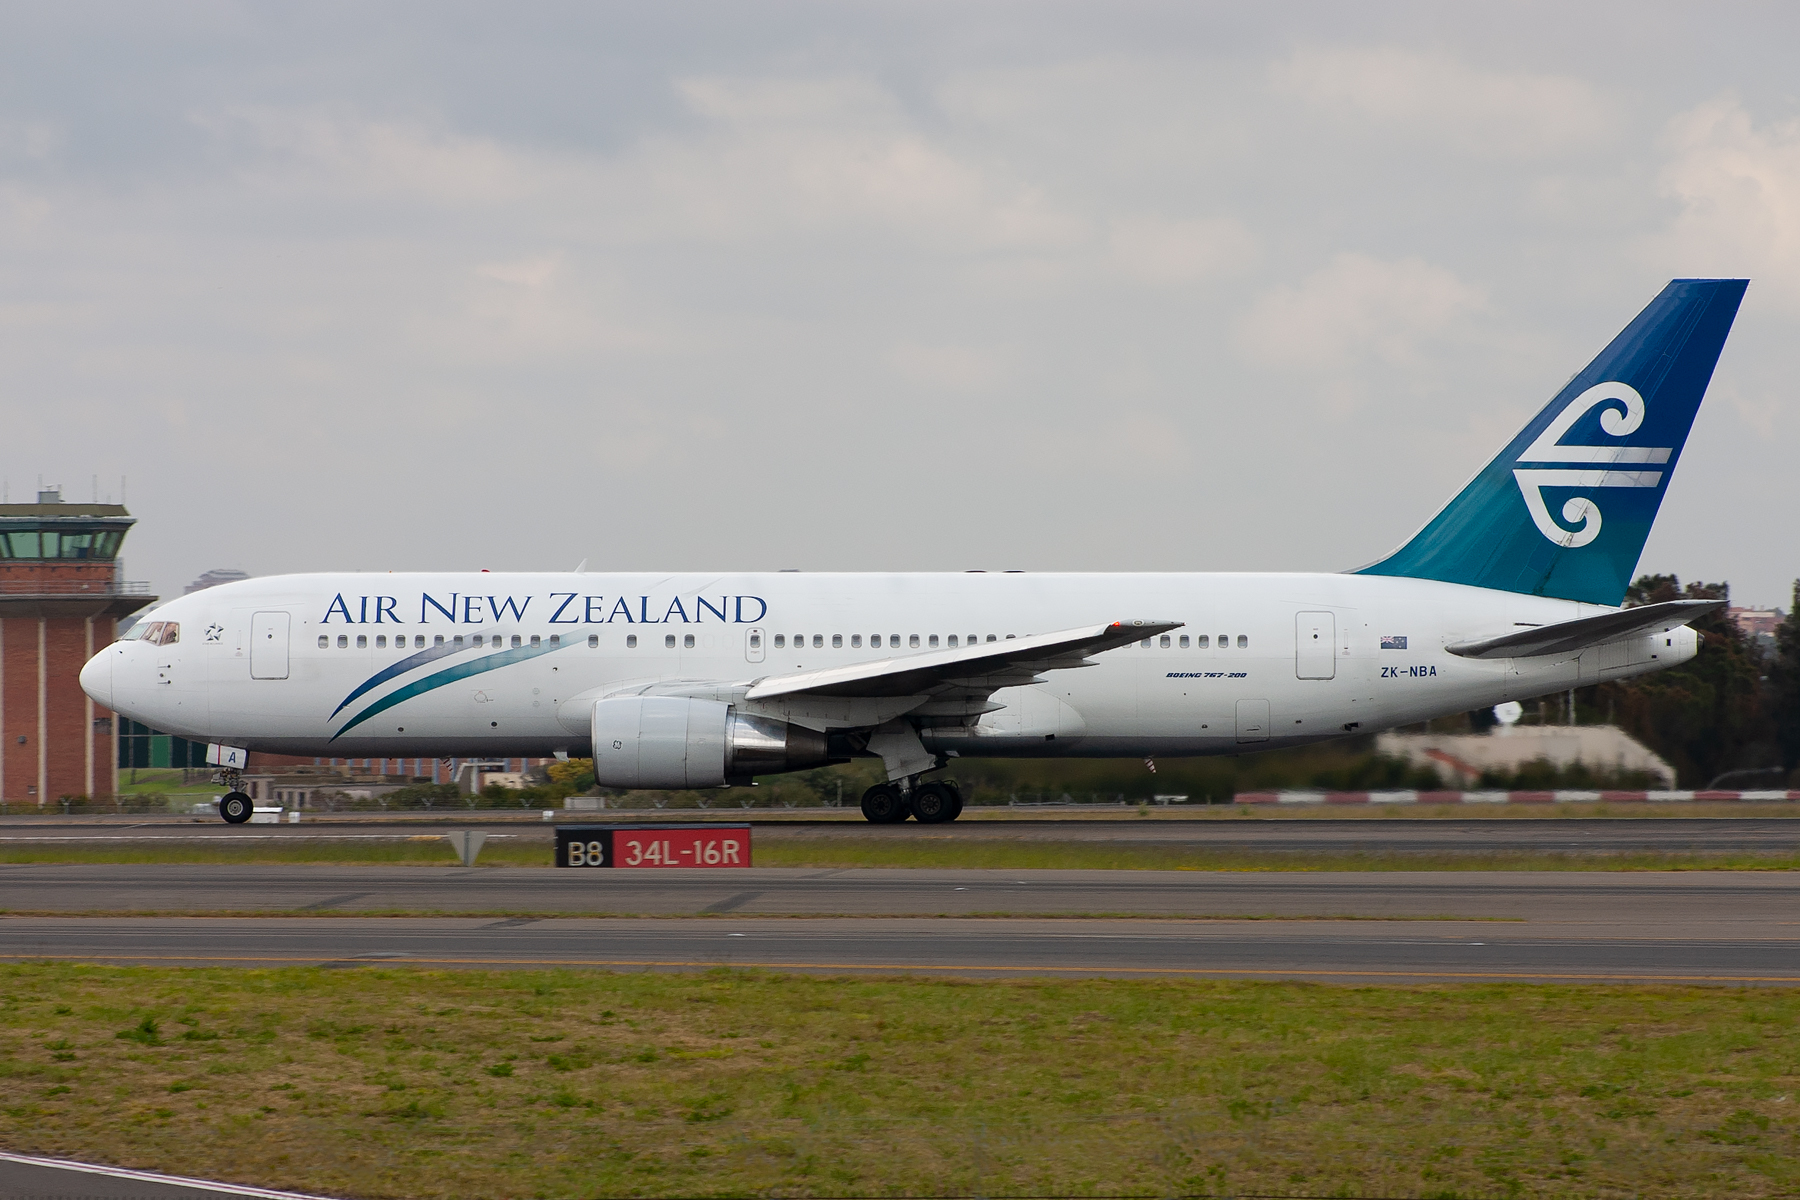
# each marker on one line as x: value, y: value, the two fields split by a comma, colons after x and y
x: 644, y: 846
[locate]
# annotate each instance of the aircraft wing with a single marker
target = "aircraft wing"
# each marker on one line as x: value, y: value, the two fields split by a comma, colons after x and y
x: 1565, y: 637
x: 985, y: 667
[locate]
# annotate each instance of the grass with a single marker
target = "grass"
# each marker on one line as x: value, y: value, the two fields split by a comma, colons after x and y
x: 902, y: 850
x: 429, y: 850
x: 1024, y: 855
x: 384, y: 1082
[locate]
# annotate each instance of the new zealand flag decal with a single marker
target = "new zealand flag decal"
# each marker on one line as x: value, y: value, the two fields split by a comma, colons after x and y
x: 1391, y: 642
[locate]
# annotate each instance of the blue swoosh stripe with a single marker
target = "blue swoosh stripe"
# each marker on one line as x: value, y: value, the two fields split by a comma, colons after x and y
x: 400, y: 668
x: 419, y: 687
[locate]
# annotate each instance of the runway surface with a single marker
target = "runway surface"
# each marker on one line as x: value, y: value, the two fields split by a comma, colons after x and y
x: 60, y: 1179
x: 1712, y: 835
x: 1729, y: 927
x: 1635, y: 897
x: 1393, y: 951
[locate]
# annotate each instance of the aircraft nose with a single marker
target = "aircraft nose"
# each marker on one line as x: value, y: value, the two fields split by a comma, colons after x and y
x: 97, y: 678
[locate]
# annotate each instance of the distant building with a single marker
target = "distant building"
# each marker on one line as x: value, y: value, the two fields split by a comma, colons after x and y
x: 1756, y: 622
x: 215, y: 577
x: 1461, y: 758
x: 60, y: 601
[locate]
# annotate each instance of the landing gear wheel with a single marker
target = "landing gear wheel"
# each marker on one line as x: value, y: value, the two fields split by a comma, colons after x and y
x: 236, y: 808
x: 884, y: 805
x: 934, y: 803
x: 957, y: 793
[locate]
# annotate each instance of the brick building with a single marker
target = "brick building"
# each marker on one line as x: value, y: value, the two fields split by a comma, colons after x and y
x: 60, y: 601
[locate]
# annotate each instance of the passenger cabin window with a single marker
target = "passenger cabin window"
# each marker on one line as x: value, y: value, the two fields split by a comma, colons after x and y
x: 631, y: 641
x: 478, y: 640
x: 934, y: 641
x: 438, y: 640
x: 972, y: 639
x: 1243, y: 641
x: 457, y: 640
x: 593, y: 641
x: 755, y: 640
x: 362, y: 641
x: 818, y: 641
x: 516, y: 640
x: 669, y: 641
x: 856, y: 641
x: 780, y: 640
x: 419, y: 641
x: 343, y: 641
x: 1224, y: 640
x: 534, y: 639
x: 1184, y: 641
x: 1164, y: 642
x: 837, y: 641
x: 381, y: 641
x: 913, y: 641
x: 1145, y: 643
x: 687, y: 641
x: 324, y: 641
x: 993, y: 637
x: 953, y: 641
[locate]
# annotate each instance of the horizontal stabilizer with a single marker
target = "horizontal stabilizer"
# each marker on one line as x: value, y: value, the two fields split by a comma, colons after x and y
x: 1565, y: 637
x: 916, y: 674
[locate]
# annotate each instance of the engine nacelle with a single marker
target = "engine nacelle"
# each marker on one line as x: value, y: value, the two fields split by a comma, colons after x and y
x: 675, y: 742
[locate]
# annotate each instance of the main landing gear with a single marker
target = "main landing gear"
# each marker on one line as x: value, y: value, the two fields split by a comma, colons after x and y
x: 931, y: 803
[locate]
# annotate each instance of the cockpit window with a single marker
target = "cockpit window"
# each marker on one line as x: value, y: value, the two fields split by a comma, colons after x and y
x: 171, y: 633
x: 157, y: 633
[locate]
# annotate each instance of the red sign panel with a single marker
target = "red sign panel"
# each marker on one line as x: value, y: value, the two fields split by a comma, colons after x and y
x: 641, y: 847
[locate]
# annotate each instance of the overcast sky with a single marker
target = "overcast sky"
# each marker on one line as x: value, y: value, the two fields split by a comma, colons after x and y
x: 911, y: 286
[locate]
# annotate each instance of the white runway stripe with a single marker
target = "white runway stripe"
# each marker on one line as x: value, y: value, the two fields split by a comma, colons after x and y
x: 203, y: 1185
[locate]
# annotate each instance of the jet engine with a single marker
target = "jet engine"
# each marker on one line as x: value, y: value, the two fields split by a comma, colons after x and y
x: 677, y: 742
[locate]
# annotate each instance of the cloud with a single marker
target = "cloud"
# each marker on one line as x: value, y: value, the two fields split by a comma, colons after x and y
x: 319, y: 150
x: 1422, y: 94
x: 812, y: 157
x: 1356, y: 311
x: 1159, y: 250
x: 1738, y: 187
x: 961, y: 369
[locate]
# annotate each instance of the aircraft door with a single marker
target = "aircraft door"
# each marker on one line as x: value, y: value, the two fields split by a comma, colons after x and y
x: 1252, y: 720
x: 753, y: 646
x: 1315, y: 645
x: 269, y: 645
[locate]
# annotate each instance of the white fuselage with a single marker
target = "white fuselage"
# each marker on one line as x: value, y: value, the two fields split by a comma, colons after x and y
x: 1287, y: 658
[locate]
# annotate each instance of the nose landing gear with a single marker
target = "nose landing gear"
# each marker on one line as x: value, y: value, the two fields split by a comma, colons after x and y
x: 235, y: 806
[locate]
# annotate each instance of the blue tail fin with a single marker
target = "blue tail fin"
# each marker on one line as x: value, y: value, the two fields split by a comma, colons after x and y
x: 1564, y: 510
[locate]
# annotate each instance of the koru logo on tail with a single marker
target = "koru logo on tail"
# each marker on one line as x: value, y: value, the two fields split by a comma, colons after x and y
x: 1599, y: 466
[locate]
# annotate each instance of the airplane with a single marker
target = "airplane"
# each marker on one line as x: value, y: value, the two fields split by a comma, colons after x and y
x: 707, y: 680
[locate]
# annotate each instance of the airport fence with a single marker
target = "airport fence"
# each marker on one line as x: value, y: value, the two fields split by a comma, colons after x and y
x: 1565, y: 796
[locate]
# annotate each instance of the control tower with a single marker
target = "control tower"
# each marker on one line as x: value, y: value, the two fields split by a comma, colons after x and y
x: 60, y: 601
